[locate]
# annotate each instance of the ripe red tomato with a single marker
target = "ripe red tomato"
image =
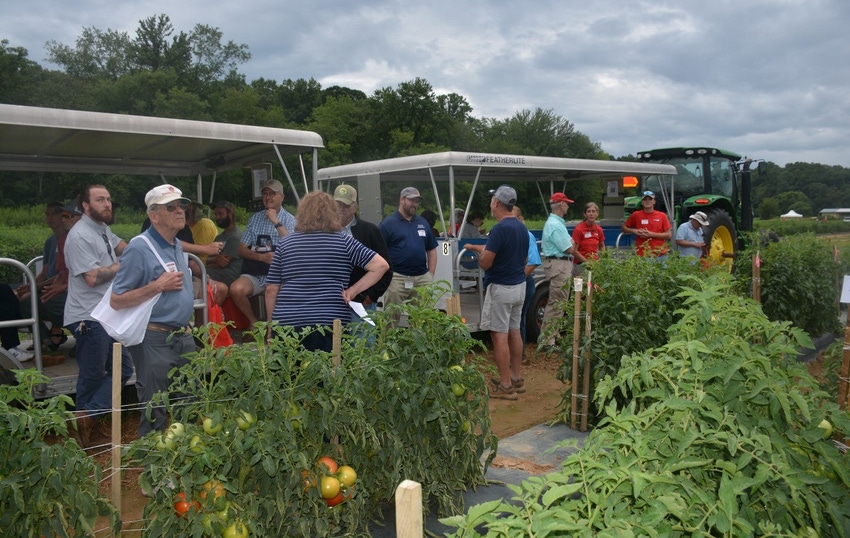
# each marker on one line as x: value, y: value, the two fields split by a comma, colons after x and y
x: 336, y: 500
x: 182, y: 507
x: 330, y: 465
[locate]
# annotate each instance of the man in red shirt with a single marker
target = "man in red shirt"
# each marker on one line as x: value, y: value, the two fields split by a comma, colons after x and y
x: 651, y: 227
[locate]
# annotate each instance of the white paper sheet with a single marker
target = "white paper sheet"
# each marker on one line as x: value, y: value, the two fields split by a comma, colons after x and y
x: 360, y: 311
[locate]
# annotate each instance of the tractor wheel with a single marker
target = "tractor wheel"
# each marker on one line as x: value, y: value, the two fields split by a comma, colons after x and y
x: 534, y: 319
x: 720, y: 238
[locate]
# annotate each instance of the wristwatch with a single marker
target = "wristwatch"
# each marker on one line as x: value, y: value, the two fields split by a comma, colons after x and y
x: 279, y: 225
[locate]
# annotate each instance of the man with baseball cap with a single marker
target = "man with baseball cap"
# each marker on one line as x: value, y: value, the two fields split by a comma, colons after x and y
x: 558, y: 255
x: 91, y: 253
x: 503, y: 259
x: 412, y: 248
x: 690, y: 237
x: 652, y: 228
x: 143, y: 275
x: 367, y: 233
x: 257, y: 247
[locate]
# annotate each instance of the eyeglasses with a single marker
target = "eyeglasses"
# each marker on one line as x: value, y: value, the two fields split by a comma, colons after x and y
x: 68, y: 215
x: 108, y: 246
x: 648, y: 193
x: 171, y: 208
x: 269, y: 194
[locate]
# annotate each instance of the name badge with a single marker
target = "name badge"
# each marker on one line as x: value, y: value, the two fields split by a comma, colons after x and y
x: 588, y: 235
x: 171, y: 267
x: 421, y: 233
x: 644, y: 221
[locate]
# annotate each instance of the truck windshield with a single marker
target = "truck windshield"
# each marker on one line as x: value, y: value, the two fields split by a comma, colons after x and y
x: 691, y: 177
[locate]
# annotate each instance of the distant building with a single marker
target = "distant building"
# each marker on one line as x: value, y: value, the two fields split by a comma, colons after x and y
x: 835, y: 213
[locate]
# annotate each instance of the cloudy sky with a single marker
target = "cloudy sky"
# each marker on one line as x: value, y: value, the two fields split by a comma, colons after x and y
x: 765, y: 78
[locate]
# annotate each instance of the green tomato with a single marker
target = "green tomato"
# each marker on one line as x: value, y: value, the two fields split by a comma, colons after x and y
x: 237, y: 529
x: 458, y: 389
x: 826, y: 427
x: 210, y: 427
x: 457, y: 368
x: 245, y: 420
x: 176, y: 429
x: 164, y: 441
x: 196, y: 445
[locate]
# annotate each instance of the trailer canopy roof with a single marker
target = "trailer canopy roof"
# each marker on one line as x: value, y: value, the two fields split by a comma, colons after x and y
x: 484, y: 166
x: 54, y: 140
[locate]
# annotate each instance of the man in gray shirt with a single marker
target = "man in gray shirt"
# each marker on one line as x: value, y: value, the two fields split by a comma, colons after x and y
x: 91, y: 254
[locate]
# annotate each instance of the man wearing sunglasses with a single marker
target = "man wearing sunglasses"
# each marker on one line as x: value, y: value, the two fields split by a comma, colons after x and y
x: 651, y: 227
x: 144, y: 274
x: 91, y: 255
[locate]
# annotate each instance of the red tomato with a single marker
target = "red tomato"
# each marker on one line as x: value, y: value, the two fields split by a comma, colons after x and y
x: 336, y: 500
x: 329, y: 464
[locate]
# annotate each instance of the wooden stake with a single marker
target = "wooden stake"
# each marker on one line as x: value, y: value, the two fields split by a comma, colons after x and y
x: 585, y: 386
x: 408, y: 510
x: 337, y: 345
x: 576, y: 338
x: 844, y: 375
x: 116, y: 428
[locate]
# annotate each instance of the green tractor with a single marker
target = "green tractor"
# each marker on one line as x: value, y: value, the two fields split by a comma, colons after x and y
x: 714, y: 181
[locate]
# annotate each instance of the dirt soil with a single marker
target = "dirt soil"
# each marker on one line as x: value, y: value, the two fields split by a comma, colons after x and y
x: 537, y: 405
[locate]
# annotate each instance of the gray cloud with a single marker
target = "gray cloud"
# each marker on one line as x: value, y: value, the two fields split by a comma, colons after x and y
x: 765, y: 78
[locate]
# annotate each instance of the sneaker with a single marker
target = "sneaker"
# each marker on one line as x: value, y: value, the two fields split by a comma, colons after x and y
x: 19, y: 354
x: 518, y: 384
x: 503, y: 393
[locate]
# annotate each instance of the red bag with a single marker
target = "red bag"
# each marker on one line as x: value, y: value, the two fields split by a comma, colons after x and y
x: 219, y: 334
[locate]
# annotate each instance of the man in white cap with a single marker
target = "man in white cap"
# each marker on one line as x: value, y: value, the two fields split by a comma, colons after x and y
x: 91, y: 255
x: 264, y: 230
x: 412, y: 248
x: 142, y: 276
x: 690, y: 237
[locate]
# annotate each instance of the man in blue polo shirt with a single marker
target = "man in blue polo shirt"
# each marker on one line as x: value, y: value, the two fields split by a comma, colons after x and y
x: 412, y: 248
x: 142, y: 276
x: 503, y: 259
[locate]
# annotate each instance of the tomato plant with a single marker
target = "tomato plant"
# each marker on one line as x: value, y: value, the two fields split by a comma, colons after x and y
x: 383, y: 417
x: 47, y: 487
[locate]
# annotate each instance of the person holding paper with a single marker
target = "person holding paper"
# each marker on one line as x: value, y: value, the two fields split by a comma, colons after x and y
x: 308, y: 281
x: 367, y: 233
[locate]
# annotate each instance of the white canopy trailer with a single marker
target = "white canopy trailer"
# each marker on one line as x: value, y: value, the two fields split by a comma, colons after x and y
x: 379, y: 183
x: 51, y: 140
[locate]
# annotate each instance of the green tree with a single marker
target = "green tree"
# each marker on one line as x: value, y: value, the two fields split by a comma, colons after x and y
x: 18, y: 74
x: 769, y: 209
x: 96, y: 54
x: 298, y: 98
x: 215, y: 61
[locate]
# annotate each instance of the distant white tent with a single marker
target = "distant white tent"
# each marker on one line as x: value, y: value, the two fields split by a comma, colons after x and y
x: 791, y: 215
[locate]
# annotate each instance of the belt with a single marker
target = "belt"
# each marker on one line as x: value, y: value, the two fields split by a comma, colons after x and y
x: 165, y: 328
x: 568, y: 257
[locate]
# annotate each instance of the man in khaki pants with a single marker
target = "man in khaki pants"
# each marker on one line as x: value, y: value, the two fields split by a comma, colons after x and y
x: 558, y: 252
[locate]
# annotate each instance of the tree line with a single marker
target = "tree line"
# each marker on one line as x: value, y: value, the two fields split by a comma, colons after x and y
x: 161, y: 71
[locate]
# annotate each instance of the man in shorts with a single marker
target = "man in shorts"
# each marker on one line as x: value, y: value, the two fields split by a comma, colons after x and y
x: 503, y: 259
x: 264, y: 230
